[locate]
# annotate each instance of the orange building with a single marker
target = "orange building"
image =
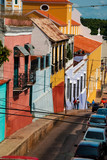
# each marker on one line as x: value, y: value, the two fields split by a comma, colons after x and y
x: 59, y: 11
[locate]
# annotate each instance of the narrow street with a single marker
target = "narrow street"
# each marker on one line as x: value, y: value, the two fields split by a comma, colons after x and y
x: 59, y: 143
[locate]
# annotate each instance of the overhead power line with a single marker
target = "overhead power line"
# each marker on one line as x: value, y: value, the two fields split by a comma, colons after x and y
x: 45, y: 118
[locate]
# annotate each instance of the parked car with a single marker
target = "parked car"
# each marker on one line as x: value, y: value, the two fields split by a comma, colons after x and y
x: 89, y: 149
x: 96, y: 135
x: 97, y: 120
x: 104, y: 100
x: 102, y: 111
x: 18, y: 158
x: 95, y: 107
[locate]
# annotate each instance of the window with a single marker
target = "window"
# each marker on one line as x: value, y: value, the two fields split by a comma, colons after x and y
x: 84, y: 80
x: 74, y: 87
x: 16, y: 1
x: 60, y: 66
x: 56, y: 63
x: 42, y: 63
x: 44, y: 7
x: 81, y: 84
x: 95, y: 135
x: 52, y: 66
x: 47, y: 60
x: 70, y: 92
x: 68, y: 88
x: 77, y: 88
x: 63, y: 55
x: 34, y: 64
x: 2, y: 2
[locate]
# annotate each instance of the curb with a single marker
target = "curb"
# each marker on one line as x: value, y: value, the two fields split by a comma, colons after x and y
x: 22, y: 141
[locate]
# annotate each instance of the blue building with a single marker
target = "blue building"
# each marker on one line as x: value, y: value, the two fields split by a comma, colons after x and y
x: 3, y: 89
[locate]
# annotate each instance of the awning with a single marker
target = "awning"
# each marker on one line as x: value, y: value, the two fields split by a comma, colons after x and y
x: 20, y: 50
x: 30, y: 48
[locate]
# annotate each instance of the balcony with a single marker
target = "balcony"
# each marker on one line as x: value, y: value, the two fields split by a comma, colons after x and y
x: 23, y: 81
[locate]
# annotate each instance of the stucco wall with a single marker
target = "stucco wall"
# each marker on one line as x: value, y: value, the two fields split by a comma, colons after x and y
x: 93, y: 75
x: 40, y: 41
x: 42, y: 93
x: 21, y: 100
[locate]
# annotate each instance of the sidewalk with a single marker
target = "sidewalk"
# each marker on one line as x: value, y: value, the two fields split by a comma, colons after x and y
x: 21, y: 141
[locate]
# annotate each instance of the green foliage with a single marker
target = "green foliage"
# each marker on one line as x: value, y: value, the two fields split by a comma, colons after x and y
x: 4, y: 54
x: 69, y: 53
x: 94, y: 24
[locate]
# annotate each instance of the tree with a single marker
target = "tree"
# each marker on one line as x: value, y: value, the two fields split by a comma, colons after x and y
x: 4, y: 54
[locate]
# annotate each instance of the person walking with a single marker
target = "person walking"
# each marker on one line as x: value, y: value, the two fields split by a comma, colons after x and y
x: 75, y: 103
x: 78, y: 103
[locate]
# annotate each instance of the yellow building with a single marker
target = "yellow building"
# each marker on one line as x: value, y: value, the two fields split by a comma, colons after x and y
x: 92, y: 48
x: 59, y: 12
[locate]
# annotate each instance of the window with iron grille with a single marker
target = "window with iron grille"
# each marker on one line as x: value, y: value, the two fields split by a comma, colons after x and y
x: 81, y: 84
x: 77, y: 88
x: 84, y: 80
x: 74, y: 89
x: 42, y: 63
x: 68, y: 88
x: 47, y: 60
x: 70, y: 98
x: 34, y: 64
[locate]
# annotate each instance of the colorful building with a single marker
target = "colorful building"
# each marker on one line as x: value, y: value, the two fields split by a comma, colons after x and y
x: 75, y: 80
x: 93, y: 50
x: 3, y: 91
x: 53, y: 42
x: 18, y: 71
x: 59, y: 12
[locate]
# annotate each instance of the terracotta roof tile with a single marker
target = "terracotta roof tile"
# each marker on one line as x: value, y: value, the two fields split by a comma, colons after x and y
x: 2, y: 81
x: 74, y: 23
x: 48, y: 1
x: 85, y: 44
x: 50, y: 29
x: 47, y: 15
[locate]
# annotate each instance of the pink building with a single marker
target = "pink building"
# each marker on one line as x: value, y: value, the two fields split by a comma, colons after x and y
x: 17, y: 37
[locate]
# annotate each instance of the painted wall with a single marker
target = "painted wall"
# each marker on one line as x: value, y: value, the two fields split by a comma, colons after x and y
x: 2, y: 116
x: 42, y: 44
x: 41, y: 92
x: 74, y: 74
x: 18, y: 101
x: 94, y: 83
x: 61, y: 11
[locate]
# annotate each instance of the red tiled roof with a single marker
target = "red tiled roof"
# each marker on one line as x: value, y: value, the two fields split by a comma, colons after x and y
x: 74, y: 23
x: 2, y: 81
x: 48, y: 1
x: 47, y: 15
x: 85, y: 44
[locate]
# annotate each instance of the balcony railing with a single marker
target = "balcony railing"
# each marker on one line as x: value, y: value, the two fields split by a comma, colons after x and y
x: 23, y: 81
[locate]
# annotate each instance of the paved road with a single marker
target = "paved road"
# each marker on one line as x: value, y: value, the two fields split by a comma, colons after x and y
x: 59, y: 143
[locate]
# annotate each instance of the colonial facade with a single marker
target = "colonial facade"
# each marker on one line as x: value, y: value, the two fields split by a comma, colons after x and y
x: 75, y: 80
x: 17, y: 70
x: 53, y: 42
